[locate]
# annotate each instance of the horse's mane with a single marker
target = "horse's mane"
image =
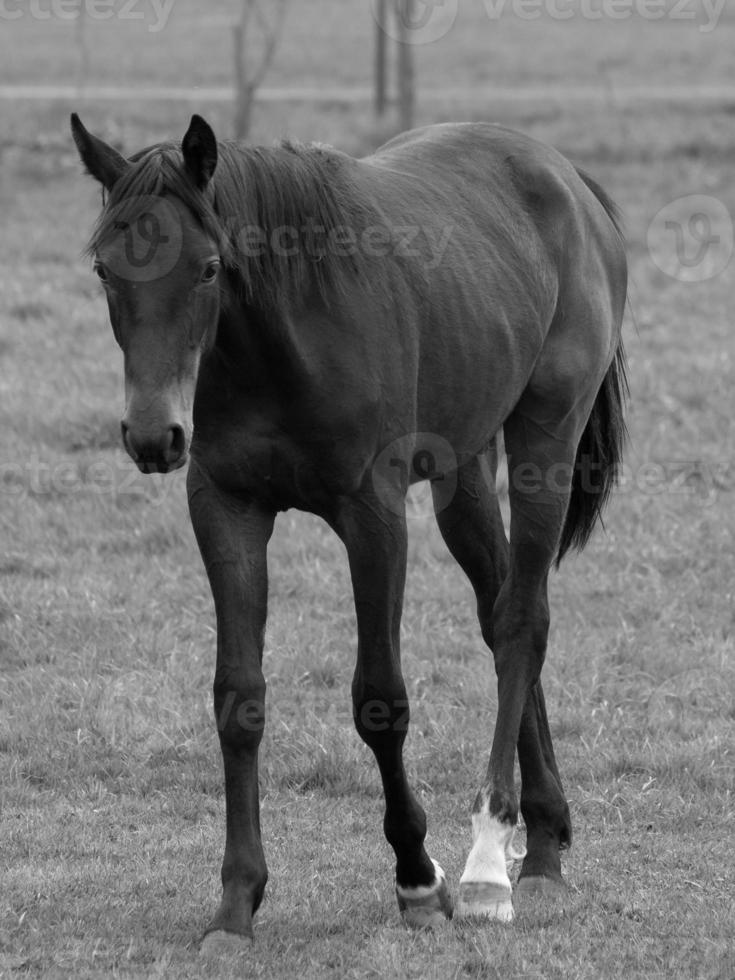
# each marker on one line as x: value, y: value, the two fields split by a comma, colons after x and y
x: 294, y: 196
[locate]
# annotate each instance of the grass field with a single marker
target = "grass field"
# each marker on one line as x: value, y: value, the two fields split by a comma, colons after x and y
x: 112, y: 810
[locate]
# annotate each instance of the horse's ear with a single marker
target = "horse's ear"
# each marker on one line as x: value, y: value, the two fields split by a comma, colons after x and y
x: 199, y: 147
x: 102, y: 161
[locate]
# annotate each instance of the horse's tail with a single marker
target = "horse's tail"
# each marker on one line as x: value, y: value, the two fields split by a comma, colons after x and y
x: 613, y: 211
x: 600, y: 449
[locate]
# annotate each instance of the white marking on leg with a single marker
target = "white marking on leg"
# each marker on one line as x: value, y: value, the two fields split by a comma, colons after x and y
x: 484, y: 888
x: 425, y: 906
x: 486, y: 860
x: 423, y: 891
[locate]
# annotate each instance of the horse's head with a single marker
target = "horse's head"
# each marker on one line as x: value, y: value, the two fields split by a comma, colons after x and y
x: 156, y: 251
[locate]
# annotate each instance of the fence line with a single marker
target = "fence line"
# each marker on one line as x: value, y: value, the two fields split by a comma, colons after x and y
x: 352, y: 96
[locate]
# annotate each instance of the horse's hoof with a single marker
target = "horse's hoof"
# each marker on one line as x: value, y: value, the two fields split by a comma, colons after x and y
x: 547, y: 890
x: 426, y: 907
x: 221, y: 943
x: 486, y: 899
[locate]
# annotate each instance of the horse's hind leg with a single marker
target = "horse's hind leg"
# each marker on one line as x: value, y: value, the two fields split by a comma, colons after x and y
x: 543, y: 804
x: 473, y: 529
x: 375, y: 538
x: 541, y: 461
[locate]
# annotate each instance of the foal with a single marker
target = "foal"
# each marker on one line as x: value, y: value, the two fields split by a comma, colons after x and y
x: 314, y: 331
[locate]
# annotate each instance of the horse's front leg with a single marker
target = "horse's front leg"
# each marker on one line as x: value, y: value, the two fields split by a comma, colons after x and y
x: 233, y: 537
x: 375, y: 539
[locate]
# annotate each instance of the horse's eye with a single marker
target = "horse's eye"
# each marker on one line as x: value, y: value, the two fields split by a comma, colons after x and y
x: 210, y: 272
x: 101, y: 272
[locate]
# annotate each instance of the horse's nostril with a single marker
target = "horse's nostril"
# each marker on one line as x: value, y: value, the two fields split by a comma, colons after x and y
x: 126, y: 441
x: 177, y: 441
x: 155, y: 451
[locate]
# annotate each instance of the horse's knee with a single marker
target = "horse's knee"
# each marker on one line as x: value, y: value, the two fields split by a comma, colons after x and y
x: 381, y: 715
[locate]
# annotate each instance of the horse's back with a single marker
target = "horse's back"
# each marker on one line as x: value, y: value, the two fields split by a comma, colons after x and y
x: 513, y: 173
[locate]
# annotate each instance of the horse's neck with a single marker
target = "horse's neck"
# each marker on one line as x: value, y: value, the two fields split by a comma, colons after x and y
x: 260, y: 349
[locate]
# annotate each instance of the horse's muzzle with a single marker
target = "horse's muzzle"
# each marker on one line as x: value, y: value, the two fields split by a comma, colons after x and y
x: 156, y: 453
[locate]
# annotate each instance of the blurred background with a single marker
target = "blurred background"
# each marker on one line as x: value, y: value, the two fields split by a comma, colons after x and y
x: 146, y: 62
x: 106, y: 625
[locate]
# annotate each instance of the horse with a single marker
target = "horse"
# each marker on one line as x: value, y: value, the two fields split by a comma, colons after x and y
x: 313, y: 331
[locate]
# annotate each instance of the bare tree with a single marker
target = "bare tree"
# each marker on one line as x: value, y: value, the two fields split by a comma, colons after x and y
x: 256, y: 37
x: 395, y: 18
x: 381, y: 58
x: 406, y: 81
x: 82, y: 45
